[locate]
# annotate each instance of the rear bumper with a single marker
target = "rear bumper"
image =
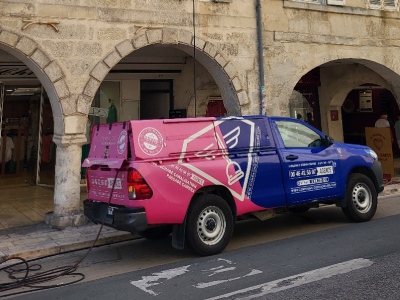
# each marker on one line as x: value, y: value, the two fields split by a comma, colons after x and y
x: 121, y: 218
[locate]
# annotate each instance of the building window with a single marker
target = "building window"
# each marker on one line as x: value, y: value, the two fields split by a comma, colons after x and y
x: 312, y: 1
x: 336, y: 2
x: 383, y: 4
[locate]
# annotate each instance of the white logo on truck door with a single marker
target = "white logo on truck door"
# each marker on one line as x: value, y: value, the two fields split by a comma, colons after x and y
x: 324, y: 170
x: 320, y: 172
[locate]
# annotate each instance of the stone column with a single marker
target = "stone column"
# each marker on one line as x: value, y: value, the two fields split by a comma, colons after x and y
x: 67, y: 201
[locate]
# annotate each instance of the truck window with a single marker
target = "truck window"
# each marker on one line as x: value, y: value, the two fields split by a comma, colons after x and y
x: 297, y: 135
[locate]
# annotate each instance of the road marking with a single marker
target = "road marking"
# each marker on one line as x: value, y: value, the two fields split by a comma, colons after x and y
x: 217, y: 269
x: 296, y: 280
x: 203, y: 285
x: 155, y: 279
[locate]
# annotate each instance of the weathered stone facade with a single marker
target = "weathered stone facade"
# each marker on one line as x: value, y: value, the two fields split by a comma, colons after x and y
x: 72, y: 46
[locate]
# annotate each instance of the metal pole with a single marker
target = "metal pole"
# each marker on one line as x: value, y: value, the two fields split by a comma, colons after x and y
x: 194, y: 60
x: 260, y: 57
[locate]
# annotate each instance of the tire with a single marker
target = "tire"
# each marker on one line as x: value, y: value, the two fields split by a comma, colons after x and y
x: 361, y: 198
x: 209, y: 225
x: 156, y: 233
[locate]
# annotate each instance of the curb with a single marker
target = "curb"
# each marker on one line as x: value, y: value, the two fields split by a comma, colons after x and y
x: 391, y: 188
x: 13, y: 246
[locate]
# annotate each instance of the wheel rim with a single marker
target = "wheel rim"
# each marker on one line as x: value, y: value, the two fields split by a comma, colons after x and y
x: 211, y: 225
x: 362, y: 198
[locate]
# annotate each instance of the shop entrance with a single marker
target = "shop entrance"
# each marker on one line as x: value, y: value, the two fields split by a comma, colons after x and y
x: 27, y: 153
x: 365, y: 104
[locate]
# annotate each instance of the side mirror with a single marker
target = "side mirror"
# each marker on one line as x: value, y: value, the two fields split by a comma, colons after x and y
x: 329, y: 140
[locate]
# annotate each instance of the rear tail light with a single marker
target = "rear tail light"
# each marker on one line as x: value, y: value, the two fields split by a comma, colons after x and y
x: 138, y: 189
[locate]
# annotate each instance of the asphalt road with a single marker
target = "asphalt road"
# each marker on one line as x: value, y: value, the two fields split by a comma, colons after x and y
x: 316, y: 255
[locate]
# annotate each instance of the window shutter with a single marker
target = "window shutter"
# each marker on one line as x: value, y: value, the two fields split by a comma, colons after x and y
x: 391, y: 4
x: 335, y: 2
x: 375, y: 4
x: 310, y: 1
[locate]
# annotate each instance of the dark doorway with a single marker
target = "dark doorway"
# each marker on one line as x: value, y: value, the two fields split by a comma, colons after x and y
x: 156, y: 99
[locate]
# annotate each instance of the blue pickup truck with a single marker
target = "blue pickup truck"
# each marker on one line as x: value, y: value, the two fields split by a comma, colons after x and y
x: 195, y: 177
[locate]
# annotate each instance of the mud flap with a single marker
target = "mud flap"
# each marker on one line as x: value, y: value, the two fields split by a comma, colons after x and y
x: 178, y: 236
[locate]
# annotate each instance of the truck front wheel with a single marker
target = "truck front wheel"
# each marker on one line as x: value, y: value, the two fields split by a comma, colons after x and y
x: 361, y: 198
x: 209, y: 225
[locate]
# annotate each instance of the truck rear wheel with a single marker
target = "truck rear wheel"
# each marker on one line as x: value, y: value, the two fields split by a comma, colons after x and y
x: 361, y: 198
x: 209, y: 225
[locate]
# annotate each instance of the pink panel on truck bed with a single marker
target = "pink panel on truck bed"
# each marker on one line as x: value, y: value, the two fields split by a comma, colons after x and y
x: 157, y: 139
x: 109, y: 145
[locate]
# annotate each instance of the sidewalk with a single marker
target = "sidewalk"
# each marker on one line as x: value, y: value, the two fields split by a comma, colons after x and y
x: 39, y: 240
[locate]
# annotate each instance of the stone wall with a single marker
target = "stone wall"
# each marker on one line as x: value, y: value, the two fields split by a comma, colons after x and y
x: 85, y: 39
x: 304, y: 36
x: 71, y: 45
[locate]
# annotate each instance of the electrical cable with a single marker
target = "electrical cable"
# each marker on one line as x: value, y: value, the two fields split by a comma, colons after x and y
x: 194, y: 59
x: 31, y: 281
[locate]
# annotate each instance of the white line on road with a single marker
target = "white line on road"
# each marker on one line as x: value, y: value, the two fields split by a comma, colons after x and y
x: 296, y: 280
x: 156, y: 279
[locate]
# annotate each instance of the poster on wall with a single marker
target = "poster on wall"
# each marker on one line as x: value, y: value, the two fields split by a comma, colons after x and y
x: 380, y: 140
x: 366, y: 100
x: 98, y: 112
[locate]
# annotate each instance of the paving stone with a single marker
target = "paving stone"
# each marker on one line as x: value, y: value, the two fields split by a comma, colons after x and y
x: 28, y: 242
x: 41, y: 250
x: 6, y: 244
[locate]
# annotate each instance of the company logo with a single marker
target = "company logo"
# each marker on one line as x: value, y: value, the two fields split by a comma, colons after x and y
x: 230, y: 135
x: 150, y: 141
x: 122, y: 141
x: 378, y: 143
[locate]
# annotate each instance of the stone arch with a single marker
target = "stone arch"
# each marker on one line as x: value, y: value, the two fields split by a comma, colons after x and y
x: 359, y: 75
x: 380, y: 64
x: 221, y: 69
x: 47, y: 70
x: 352, y: 78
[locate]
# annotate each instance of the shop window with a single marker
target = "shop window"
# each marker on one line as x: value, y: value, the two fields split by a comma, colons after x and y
x: 383, y: 4
x: 298, y: 106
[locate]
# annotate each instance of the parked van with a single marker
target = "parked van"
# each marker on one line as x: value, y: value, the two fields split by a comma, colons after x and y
x: 195, y: 177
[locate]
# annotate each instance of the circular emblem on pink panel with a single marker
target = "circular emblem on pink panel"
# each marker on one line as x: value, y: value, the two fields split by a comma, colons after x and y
x: 150, y: 141
x: 122, y: 141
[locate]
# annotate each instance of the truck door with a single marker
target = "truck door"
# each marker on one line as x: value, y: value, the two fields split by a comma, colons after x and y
x: 310, y: 164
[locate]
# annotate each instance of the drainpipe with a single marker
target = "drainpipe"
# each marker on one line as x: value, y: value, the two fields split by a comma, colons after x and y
x: 260, y: 57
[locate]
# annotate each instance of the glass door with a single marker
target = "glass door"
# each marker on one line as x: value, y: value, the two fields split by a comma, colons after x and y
x: 16, y: 129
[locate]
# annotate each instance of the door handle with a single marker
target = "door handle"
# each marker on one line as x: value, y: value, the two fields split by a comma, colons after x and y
x: 292, y: 157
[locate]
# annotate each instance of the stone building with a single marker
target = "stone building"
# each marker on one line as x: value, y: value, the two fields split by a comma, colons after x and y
x: 65, y: 62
